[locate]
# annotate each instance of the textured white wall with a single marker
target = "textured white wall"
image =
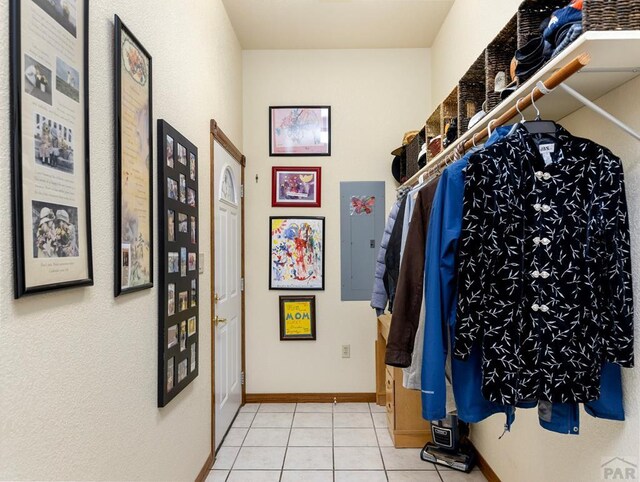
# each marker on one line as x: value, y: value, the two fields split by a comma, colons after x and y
x: 79, y: 368
x: 375, y: 95
x: 469, y: 27
x: 528, y: 453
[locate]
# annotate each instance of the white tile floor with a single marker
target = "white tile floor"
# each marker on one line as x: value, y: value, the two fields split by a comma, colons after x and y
x: 320, y: 442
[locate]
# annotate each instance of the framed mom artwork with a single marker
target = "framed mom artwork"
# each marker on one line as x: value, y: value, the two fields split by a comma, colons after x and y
x: 296, y: 186
x: 300, y: 131
x: 50, y: 144
x: 296, y: 253
x: 133, y: 160
x: 297, y: 318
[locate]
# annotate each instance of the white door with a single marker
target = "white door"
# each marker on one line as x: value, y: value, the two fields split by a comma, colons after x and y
x: 227, y: 290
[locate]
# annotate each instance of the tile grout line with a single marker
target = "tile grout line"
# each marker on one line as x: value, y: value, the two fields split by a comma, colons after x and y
x: 375, y: 431
x: 286, y: 448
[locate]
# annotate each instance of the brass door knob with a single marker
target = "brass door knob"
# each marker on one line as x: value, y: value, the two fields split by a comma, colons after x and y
x: 219, y: 321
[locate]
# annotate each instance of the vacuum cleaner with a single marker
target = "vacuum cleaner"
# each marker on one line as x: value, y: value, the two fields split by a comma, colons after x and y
x: 448, y: 447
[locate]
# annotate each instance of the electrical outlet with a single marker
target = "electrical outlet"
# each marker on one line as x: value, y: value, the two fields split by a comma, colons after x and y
x: 346, y: 351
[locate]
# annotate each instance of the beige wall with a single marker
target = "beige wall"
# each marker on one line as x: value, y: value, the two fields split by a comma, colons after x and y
x: 469, y: 27
x: 79, y: 368
x: 529, y: 453
x: 375, y: 95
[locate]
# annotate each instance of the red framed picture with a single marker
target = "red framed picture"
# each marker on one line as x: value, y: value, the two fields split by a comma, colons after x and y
x: 296, y: 187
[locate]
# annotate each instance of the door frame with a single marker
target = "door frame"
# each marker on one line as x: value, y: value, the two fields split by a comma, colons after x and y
x: 216, y: 134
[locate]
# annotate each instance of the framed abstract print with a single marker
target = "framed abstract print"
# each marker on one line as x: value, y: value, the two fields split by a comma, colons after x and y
x: 296, y: 253
x: 300, y: 131
x: 296, y: 186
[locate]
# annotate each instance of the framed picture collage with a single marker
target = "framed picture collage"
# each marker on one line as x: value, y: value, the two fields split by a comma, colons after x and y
x: 178, y: 279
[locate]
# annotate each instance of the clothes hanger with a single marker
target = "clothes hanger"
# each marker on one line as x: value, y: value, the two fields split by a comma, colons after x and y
x: 521, y: 121
x: 539, y: 126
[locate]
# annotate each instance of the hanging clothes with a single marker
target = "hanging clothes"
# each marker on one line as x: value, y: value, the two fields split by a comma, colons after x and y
x: 441, y: 299
x: 379, y: 296
x: 409, y: 293
x: 545, y: 271
x: 392, y: 255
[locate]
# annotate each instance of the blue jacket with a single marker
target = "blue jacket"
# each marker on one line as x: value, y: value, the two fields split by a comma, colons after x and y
x: 441, y: 300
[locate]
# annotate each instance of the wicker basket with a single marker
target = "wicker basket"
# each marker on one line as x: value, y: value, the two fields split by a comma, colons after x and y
x: 412, y: 151
x: 611, y: 15
x: 433, y: 128
x: 471, y: 94
x: 449, y: 111
x: 498, y: 58
x: 531, y: 13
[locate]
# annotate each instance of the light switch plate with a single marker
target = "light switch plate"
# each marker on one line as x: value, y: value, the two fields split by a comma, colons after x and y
x: 201, y: 263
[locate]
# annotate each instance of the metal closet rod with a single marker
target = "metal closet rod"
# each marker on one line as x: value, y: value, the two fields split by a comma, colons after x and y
x: 551, y: 83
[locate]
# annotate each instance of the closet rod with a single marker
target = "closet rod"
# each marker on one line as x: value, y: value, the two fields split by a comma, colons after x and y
x: 551, y: 83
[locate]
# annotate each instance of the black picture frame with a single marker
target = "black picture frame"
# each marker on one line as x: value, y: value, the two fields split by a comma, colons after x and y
x: 282, y: 252
x: 287, y: 318
x: 172, y: 351
x: 297, y: 119
x: 123, y: 32
x: 59, y: 151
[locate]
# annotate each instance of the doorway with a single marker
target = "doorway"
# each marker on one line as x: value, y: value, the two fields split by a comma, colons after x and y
x: 227, y: 283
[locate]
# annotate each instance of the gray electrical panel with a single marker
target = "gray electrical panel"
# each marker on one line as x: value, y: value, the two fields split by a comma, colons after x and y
x: 362, y: 218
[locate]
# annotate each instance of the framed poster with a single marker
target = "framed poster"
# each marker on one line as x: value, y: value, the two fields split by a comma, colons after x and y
x: 300, y: 131
x: 296, y: 253
x: 50, y: 145
x: 297, y: 318
x: 178, y: 266
x: 134, y: 158
x: 296, y: 186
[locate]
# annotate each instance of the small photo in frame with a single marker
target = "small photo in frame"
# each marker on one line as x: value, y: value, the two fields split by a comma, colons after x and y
x: 191, y: 197
x: 183, y: 335
x: 182, y: 370
x: 171, y: 225
x: 173, y: 262
x: 172, y: 336
x: 297, y: 317
x: 183, y: 301
x: 192, y: 166
x: 169, y: 153
x: 171, y: 299
x: 191, y: 326
x: 193, y: 358
x: 194, y: 293
x: 170, y: 371
x: 183, y: 262
x: 296, y: 186
x: 172, y: 189
x: 193, y: 261
x: 183, y: 226
x: 194, y: 238
x: 182, y: 154
x: 183, y: 189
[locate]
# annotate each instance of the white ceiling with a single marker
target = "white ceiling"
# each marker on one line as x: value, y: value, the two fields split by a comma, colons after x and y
x: 336, y: 24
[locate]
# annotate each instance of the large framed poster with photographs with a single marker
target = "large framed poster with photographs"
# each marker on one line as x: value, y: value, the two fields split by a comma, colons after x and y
x: 50, y: 144
x: 133, y: 160
x: 178, y: 278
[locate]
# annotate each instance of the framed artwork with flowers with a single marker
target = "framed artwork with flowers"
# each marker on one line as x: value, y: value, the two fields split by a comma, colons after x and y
x: 296, y: 186
x: 133, y: 160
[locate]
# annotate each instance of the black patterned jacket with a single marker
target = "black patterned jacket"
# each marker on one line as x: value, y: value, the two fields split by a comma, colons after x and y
x: 545, y: 270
